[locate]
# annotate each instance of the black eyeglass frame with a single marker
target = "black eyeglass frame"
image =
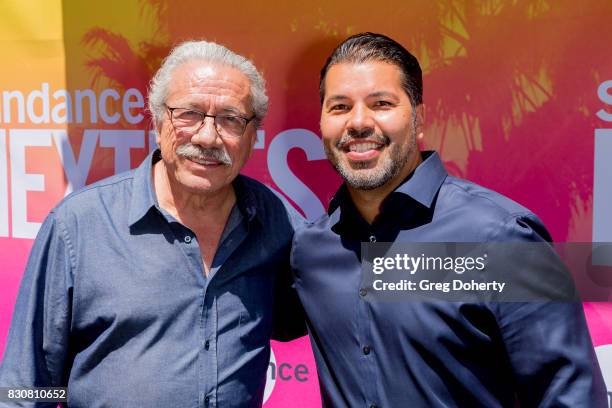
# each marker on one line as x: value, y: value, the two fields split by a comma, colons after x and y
x: 205, y: 115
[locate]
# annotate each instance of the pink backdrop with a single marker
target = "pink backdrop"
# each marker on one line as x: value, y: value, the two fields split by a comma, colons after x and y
x: 518, y: 98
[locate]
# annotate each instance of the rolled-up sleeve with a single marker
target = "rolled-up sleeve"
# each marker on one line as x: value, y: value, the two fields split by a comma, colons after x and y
x: 37, y: 345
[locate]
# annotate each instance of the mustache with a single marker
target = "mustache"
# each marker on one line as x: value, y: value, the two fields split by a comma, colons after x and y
x: 198, y: 153
x: 353, y: 134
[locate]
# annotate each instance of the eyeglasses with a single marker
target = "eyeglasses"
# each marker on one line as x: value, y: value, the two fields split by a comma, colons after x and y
x: 191, y: 121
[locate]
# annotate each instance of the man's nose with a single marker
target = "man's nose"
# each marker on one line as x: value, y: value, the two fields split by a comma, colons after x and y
x: 361, y: 119
x: 207, y: 135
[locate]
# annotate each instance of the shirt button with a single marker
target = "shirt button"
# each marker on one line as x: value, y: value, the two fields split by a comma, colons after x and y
x: 366, y: 350
x: 206, y: 400
x: 362, y: 292
x: 373, y: 406
x: 187, y: 239
x: 372, y: 238
x: 207, y: 345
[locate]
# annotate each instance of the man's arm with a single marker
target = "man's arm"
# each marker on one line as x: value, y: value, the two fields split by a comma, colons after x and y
x: 548, y: 342
x: 289, y: 316
x: 551, y: 353
x: 37, y: 345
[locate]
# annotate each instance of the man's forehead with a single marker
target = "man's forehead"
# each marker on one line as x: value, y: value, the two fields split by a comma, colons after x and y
x: 373, y: 75
x: 203, y: 77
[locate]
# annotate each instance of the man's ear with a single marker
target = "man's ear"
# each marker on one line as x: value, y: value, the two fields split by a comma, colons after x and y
x: 420, y: 121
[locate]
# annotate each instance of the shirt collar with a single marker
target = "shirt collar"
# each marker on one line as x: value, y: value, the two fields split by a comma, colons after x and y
x: 426, y: 180
x: 422, y: 185
x: 143, y: 193
x: 245, y: 199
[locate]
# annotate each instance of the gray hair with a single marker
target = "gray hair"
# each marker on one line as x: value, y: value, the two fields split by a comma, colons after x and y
x: 210, y: 52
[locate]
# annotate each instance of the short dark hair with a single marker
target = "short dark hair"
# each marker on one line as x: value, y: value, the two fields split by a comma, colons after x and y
x: 366, y: 47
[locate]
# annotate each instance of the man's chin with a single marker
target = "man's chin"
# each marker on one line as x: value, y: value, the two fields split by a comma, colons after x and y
x: 362, y: 179
x: 199, y: 185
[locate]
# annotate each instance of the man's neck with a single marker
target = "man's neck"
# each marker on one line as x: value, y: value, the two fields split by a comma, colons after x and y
x: 191, y: 209
x: 368, y: 202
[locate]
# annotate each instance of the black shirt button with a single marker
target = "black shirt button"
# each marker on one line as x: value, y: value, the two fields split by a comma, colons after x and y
x: 362, y: 292
x: 373, y: 406
x: 207, y: 345
x: 366, y: 350
x: 206, y: 400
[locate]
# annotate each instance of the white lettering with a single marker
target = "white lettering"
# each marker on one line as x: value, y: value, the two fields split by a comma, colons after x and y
x: 377, y: 265
x: 602, y: 195
x: 128, y: 105
x: 37, y: 106
x: 605, y: 97
x: 426, y: 285
x: 79, y: 96
x: 260, y: 142
x: 22, y: 182
x: 416, y: 262
x: 122, y: 141
x: 110, y: 119
x: 76, y: 171
x: 282, y: 175
x: 65, y: 105
x: 6, y: 102
x: 44, y: 101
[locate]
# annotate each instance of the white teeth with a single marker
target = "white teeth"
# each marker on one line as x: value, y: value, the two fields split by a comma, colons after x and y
x: 362, y: 147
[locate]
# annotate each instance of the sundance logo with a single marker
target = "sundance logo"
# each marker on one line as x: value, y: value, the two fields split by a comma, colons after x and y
x: 283, y: 372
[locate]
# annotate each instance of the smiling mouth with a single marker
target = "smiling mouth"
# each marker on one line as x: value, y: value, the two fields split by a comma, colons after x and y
x: 363, y: 147
x: 362, y: 150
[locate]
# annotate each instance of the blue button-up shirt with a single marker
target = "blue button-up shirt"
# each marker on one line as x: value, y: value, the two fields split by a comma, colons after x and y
x: 374, y: 353
x: 115, y: 304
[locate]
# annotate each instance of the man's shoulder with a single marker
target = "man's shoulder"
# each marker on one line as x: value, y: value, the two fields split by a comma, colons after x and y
x: 316, y: 227
x: 270, y: 203
x: 93, y: 197
x: 484, y: 210
x: 481, y: 198
x: 260, y: 192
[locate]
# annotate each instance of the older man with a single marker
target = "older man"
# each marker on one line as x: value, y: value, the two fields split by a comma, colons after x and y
x: 374, y: 352
x: 162, y: 286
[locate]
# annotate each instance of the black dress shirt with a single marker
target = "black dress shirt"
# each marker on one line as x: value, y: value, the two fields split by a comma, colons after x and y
x: 372, y: 353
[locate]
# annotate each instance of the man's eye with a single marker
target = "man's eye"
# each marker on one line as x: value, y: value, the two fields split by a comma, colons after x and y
x: 189, y: 115
x: 339, y: 107
x: 382, y: 103
x: 230, y: 119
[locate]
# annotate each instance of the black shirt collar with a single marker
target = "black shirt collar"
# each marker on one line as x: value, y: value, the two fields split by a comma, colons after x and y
x: 410, y: 203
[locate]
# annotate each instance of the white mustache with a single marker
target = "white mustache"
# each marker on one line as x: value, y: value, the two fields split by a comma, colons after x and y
x: 198, y: 153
